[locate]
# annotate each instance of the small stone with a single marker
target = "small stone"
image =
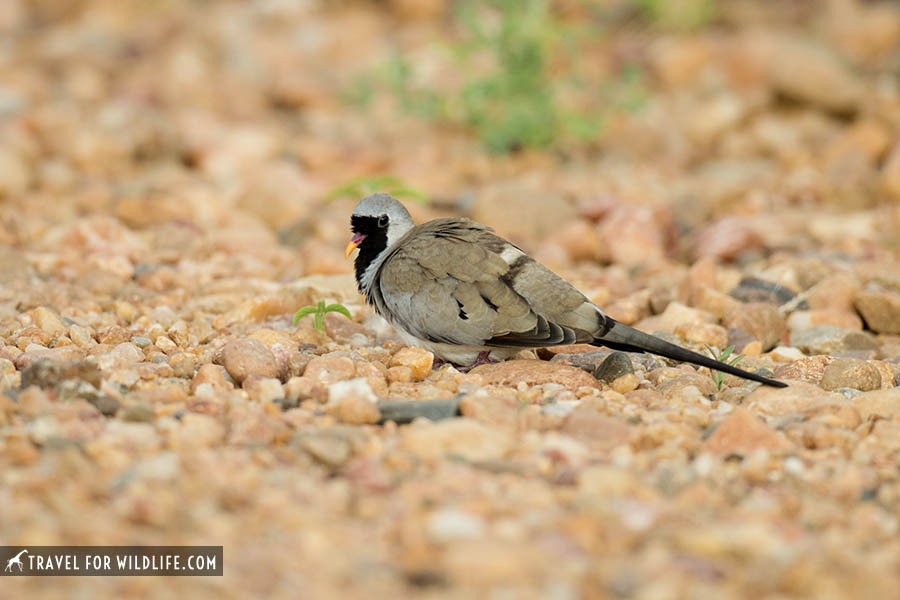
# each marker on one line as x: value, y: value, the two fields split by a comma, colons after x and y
x: 635, y: 235
x: 255, y: 425
x: 329, y: 369
x: 613, y: 366
x: 139, y: 413
x: 419, y: 360
x: 448, y: 524
x: 353, y: 402
x: 183, y: 364
x: 263, y: 389
x: 851, y: 373
x: 534, y: 372
x: 880, y: 310
x: 804, y: 319
x: 341, y: 329
x: 754, y: 290
x: 81, y: 336
x: 140, y: 341
x: 464, y: 438
x: 47, y: 320
x: 835, y: 292
x: 707, y: 334
x: 759, y: 319
x: 726, y: 239
x: 401, y: 374
x: 741, y: 433
x: 598, y: 432
x: 884, y: 403
x: 247, y: 356
x: 811, y: 72
x: 122, y: 356
x: 107, y: 405
x: 326, y: 447
x: 165, y: 344
x: 676, y: 315
x: 402, y: 412
x: 213, y: 375
x: 50, y: 374
x: 826, y: 339
x: 809, y: 369
x: 626, y: 383
x: 796, y: 398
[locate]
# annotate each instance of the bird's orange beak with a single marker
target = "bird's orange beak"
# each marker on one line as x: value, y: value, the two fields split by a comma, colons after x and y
x: 354, y: 242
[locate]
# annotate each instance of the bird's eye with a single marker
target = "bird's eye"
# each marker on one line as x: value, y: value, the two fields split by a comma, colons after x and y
x: 383, y: 221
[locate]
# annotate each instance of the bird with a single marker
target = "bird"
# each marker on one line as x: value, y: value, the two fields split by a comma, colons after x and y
x: 455, y: 288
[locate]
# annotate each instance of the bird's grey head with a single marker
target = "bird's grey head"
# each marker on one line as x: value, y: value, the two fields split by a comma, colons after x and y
x: 378, y: 222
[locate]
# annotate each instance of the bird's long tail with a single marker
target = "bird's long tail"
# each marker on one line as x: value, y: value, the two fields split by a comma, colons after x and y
x: 628, y: 339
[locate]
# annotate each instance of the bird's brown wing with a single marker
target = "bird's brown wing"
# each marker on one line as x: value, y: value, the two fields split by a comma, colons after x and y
x: 453, y: 281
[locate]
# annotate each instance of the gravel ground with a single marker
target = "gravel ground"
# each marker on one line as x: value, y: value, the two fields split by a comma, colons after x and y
x: 163, y: 174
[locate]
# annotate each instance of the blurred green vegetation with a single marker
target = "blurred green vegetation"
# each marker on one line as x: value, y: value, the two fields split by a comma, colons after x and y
x: 360, y: 187
x: 519, y: 84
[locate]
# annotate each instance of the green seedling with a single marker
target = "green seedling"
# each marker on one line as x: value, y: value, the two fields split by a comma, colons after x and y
x: 516, y: 78
x: 318, y: 311
x: 724, y: 356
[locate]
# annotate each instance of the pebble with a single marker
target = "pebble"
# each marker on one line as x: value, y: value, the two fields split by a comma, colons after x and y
x: 798, y: 397
x: 164, y: 343
x: 327, y: 447
x: 418, y: 360
x: 626, y: 383
x: 880, y: 310
x: 809, y: 369
x: 140, y: 341
x: 534, y: 372
x: 465, y: 438
x: 851, y: 373
x: 263, y: 389
x: 247, y: 356
x: 213, y: 375
x: 81, y: 336
x: 402, y: 412
x: 884, y: 403
x: 725, y: 239
x: 613, y: 366
x: 353, y: 402
x: 48, y: 321
x: 183, y: 364
x: 810, y: 72
x: 827, y: 339
x: 706, y: 334
x: 759, y: 319
x: 400, y: 374
x: 804, y: 319
x: 123, y: 355
x: 741, y: 433
x: 449, y: 524
x: 598, y: 432
x: 755, y: 290
x: 329, y: 369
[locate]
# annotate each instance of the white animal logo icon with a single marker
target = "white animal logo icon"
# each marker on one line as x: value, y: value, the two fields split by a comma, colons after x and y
x: 15, y: 560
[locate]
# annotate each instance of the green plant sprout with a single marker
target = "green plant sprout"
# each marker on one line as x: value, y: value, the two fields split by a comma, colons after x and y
x: 517, y: 79
x: 318, y: 311
x: 359, y: 187
x: 717, y: 376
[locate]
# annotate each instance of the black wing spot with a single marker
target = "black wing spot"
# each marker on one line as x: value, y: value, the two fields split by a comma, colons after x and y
x: 490, y: 304
x: 462, y: 313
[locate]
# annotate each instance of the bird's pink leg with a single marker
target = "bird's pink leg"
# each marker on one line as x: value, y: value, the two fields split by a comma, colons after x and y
x: 483, y: 358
